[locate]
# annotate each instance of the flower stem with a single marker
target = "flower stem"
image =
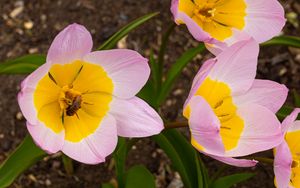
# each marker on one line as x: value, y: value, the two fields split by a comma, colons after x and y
x: 68, y: 164
x: 176, y: 124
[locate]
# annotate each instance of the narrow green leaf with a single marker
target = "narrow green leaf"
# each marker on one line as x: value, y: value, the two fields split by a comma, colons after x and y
x: 113, y: 40
x: 120, y: 159
x: 21, y: 159
x: 147, y: 94
x: 183, y: 157
x: 176, y: 69
x: 283, y: 112
x: 283, y: 40
x: 139, y: 176
x: 229, y: 181
x: 22, y: 65
x: 296, y: 98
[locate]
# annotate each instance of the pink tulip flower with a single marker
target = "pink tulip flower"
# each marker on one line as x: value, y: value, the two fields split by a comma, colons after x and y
x: 79, y: 101
x: 287, y: 154
x: 230, y: 113
x: 220, y: 23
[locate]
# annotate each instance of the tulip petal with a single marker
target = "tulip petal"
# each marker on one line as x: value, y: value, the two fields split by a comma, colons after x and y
x: 266, y: 93
x: 262, y: 130
x: 264, y: 19
x: 135, y: 118
x: 199, y: 78
x: 236, y: 66
x: 235, y: 162
x: 94, y: 148
x: 25, y: 96
x: 127, y: 68
x: 204, y: 127
x: 282, y: 165
x: 70, y: 44
x: 179, y: 16
x: 45, y: 138
x: 288, y: 121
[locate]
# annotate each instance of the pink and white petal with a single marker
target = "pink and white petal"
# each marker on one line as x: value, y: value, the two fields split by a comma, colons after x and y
x: 295, y: 126
x: 128, y: 70
x: 236, y: 66
x: 269, y: 94
x: 235, y: 162
x: 262, y: 130
x: 289, y: 120
x: 135, y: 118
x: 264, y: 19
x: 25, y: 96
x: 282, y: 165
x: 71, y: 44
x: 94, y: 148
x: 45, y: 138
x: 205, y: 127
x: 220, y: 46
x: 199, y: 78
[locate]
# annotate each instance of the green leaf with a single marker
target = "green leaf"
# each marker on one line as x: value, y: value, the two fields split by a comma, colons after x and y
x: 107, y: 185
x: 284, y: 111
x: 120, y: 155
x: 296, y: 98
x: 139, y: 176
x: 229, y: 181
x: 283, y: 40
x: 183, y: 157
x: 113, y: 40
x: 176, y: 69
x: 21, y: 159
x: 22, y: 65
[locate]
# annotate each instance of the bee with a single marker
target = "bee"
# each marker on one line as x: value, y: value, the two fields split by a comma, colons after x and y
x: 74, y: 106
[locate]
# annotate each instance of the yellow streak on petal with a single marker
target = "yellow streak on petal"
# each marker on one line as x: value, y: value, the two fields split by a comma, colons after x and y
x: 197, y: 145
x: 95, y: 87
x: 218, y: 96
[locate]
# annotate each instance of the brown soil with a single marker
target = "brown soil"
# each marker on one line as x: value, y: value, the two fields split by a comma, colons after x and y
x: 103, y: 18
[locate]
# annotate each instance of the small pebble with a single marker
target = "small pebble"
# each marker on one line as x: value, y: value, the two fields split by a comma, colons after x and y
x: 28, y: 25
x: 19, y: 116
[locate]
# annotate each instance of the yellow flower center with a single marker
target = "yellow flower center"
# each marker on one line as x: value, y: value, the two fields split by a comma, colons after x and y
x: 73, y: 97
x: 294, y: 146
x: 205, y: 13
x: 216, y: 17
x: 218, y: 96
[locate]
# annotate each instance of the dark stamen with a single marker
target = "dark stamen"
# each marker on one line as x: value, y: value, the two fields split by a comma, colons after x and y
x: 52, y: 78
x: 79, y: 71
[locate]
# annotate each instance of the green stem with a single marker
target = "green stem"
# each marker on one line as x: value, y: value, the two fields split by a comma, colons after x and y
x: 68, y: 164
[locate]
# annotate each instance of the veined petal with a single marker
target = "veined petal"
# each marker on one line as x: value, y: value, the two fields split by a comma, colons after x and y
x: 282, y: 165
x: 70, y: 44
x: 266, y: 93
x: 128, y: 70
x: 235, y: 162
x: 264, y: 20
x: 262, y: 130
x: 288, y: 121
x: 236, y: 66
x: 45, y: 138
x: 204, y: 127
x: 135, y: 118
x: 94, y: 148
